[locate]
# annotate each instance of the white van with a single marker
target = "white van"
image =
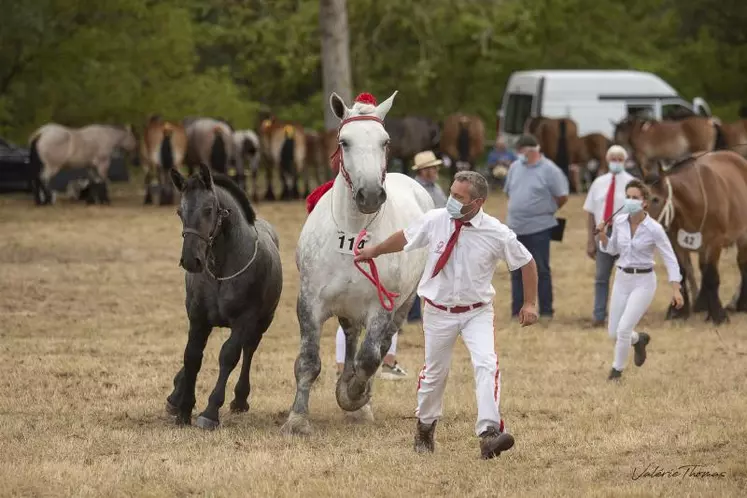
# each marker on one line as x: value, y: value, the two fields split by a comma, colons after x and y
x: 593, y: 99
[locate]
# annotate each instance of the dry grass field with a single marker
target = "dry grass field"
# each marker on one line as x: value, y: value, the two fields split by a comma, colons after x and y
x: 92, y: 331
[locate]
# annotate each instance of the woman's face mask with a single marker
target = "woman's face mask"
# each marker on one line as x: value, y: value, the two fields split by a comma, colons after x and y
x: 633, y: 206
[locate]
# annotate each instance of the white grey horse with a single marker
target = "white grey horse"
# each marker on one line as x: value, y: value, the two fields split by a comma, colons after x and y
x: 54, y: 147
x: 363, y: 197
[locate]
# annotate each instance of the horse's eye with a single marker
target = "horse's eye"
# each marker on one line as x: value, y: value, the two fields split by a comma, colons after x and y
x: 343, y: 143
x: 208, y: 210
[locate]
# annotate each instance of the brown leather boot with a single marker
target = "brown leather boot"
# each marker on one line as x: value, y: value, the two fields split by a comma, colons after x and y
x: 492, y: 443
x: 424, y: 437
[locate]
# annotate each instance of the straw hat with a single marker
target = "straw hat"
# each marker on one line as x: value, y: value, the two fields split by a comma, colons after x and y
x: 426, y: 159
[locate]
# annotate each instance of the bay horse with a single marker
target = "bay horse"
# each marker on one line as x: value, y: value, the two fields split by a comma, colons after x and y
x: 735, y: 136
x: 667, y: 140
x: 54, y: 147
x: 247, y: 157
x: 283, y: 145
x: 557, y: 138
x: 584, y: 150
x: 463, y: 140
x: 410, y: 135
x: 210, y: 142
x: 700, y: 201
x: 364, y: 206
x: 163, y: 147
x: 233, y: 278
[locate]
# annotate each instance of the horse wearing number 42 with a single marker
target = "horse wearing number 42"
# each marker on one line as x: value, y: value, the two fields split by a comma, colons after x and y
x: 364, y: 206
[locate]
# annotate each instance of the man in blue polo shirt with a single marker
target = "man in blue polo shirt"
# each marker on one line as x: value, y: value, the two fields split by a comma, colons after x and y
x: 536, y: 189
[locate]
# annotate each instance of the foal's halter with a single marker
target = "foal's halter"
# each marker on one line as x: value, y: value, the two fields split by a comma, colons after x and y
x: 223, y: 213
x: 337, y: 160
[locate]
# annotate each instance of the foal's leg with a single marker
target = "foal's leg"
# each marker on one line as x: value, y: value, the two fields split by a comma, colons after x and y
x: 710, y: 286
x: 183, y: 396
x: 240, y: 402
x: 352, y: 331
x: 102, y: 169
x: 148, y: 191
x: 740, y: 298
x: 308, y: 364
x: 229, y: 356
x: 701, y: 299
x: 269, y: 171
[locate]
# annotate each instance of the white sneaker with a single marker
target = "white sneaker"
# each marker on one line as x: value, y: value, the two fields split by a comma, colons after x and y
x: 392, y: 372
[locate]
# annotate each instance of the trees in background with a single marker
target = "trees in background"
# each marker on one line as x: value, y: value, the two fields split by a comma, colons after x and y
x: 80, y: 61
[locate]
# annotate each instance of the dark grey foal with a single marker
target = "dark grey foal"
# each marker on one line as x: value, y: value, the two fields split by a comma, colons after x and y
x: 234, y: 279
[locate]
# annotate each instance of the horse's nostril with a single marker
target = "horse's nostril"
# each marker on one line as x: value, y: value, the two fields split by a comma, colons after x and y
x: 359, y: 196
x: 382, y: 195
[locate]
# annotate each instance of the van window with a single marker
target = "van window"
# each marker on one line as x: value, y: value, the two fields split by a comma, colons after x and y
x: 517, y: 111
x: 675, y: 111
x: 641, y: 111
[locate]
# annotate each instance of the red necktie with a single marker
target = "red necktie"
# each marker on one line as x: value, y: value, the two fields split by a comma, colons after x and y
x: 449, y: 246
x: 609, y: 203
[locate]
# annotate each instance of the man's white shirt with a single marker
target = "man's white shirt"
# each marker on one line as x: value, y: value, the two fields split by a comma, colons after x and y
x: 466, y: 278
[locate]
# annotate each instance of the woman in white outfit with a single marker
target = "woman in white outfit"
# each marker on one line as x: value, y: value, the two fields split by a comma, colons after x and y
x: 634, y: 236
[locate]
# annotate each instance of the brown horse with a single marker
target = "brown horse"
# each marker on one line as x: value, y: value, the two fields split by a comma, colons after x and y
x: 557, y: 138
x: 669, y: 140
x: 210, y: 141
x: 315, y: 156
x: 700, y: 201
x: 164, y: 146
x: 283, y: 146
x: 735, y: 136
x: 463, y: 140
x: 54, y: 147
x: 591, y: 147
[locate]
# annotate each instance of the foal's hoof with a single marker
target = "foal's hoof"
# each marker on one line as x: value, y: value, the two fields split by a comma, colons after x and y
x: 171, y: 409
x: 207, y: 424
x: 239, y: 406
x: 296, y: 424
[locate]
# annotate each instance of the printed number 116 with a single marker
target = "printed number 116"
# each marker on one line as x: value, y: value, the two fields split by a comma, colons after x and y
x: 351, y: 241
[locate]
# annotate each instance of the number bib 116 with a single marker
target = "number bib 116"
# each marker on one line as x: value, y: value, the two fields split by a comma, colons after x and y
x: 345, y: 242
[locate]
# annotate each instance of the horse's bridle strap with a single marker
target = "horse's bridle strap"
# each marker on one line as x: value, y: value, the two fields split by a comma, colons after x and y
x: 222, y: 214
x: 337, y: 156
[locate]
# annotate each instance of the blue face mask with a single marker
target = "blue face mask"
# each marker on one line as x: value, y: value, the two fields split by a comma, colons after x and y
x: 616, y: 167
x: 633, y: 206
x: 454, y: 208
x: 522, y: 158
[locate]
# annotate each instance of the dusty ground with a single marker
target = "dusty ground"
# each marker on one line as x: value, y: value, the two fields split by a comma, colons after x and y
x: 92, y: 329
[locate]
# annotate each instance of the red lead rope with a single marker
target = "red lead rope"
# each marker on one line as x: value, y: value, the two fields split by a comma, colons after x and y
x: 374, y: 277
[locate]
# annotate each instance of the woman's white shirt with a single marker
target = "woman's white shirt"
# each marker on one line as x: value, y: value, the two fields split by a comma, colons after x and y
x: 638, y: 251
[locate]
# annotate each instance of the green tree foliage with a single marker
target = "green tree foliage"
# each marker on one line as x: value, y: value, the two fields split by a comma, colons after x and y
x: 80, y: 61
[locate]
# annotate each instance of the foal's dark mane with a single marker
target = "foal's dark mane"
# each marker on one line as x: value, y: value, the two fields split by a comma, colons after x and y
x: 234, y: 191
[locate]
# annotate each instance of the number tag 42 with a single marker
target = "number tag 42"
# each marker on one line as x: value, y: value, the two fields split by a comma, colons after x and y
x: 345, y: 242
x: 687, y: 240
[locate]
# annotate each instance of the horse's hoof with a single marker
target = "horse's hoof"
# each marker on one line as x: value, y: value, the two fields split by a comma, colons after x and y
x: 362, y: 416
x: 296, y: 424
x: 239, y: 406
x: 182, y: 419
x: 351, y: 403
x: 171, y: 409
x: 207, y: 424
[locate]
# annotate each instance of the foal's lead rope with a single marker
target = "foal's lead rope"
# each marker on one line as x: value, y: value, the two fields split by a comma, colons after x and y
x: 667, y: 214
x: 374, y: 277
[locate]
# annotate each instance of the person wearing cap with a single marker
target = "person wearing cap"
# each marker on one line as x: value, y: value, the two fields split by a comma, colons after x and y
x: 606, y: 195
x: 536, y: 188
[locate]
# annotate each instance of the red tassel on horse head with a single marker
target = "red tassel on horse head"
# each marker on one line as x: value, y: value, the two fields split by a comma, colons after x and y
x: 366, y: 98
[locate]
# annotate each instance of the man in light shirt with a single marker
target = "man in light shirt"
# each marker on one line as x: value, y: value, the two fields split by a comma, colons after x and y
x: 464, y: 245
x: 536, y: 189
x: 606, y: 195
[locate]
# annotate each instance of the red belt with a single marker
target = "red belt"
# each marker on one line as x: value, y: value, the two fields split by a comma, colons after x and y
x: 454, y: 309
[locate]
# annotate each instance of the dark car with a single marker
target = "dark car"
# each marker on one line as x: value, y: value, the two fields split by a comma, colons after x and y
x: 15, y: 168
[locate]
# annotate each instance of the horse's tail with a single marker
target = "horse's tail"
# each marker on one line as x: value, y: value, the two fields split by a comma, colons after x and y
x: 720, y: 143
x: 218, y: 156
x: 35, y: 159
x: 562, y: 156
x: 463, y: 141
x: 287, y: 152
x: 167, y: 153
